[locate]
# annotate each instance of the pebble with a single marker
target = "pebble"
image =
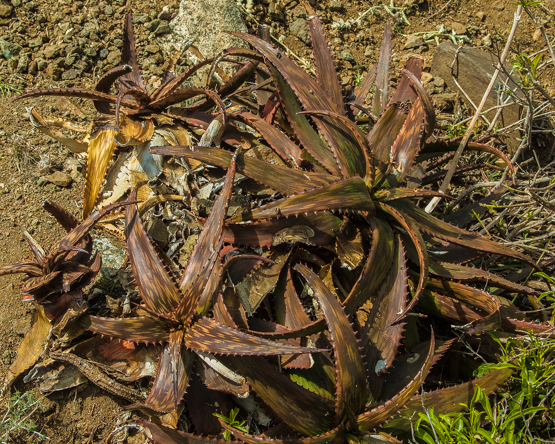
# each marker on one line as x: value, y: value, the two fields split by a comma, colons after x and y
x: 104, y: 53
x: 59, y: 178
x: 71, y: 74
x: 414, y: 41
x: 9, y: 49
x: 23, y: 64
x: 108, y: 10
x: 5, y: 11
x: 480, y: 15
x: 347, y: 56
x: 113, y: 57
x: 459, y: 28
x: 299, y: 28
x: 35, y: 43
x: 439, y: 82
x: 486, y: 41
x: 51, y: 52
x: 152, y: 49
x: 153, y: 25
x: 426, y: 78
x: 335, y: 5
x: 163, y: 28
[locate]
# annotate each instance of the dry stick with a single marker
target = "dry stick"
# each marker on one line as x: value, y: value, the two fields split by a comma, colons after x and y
x: 470, y: 130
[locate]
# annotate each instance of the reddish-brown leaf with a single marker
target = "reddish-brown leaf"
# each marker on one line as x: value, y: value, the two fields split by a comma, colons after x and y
x: 159, y: 434
x: 141, y: 329
x: 382, y: 76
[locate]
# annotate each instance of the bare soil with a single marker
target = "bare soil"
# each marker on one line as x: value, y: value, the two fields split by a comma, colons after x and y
x: 87, y: 414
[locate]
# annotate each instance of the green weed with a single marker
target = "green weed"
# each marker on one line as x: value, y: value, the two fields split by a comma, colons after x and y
x: 17, y: 421
x: 232, y: 421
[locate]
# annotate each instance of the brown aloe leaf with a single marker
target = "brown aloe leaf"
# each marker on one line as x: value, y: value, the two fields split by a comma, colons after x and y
x: 439, y: 148
x: 282, y: 179
x: 362, y: 90
x: 426, y: 101
x: 302, y: 410
x: 62, y: 216
x: 100, y: 153
x: 320, y: 230
x: 209, y: 336
x: 31, y: 347
x: 324, y: 65
x: 307, y: 135
x: 77, y: 92
x: 134, y: 132
x: 334, y: 436
x: 462, y: 273
x: 34, y: 246
x: 75, y: 146
x: 420, y: 247
x: 449, y: 308
x: 278, y: 141
x: 382, y: 76
x: 159, y: 434
x: 351, y: 385
x: 158, y: 290
x: 388, y: 194
x: 289, y: 310
x: 29, y: 267
x: 380, y: 339
x: 406, y: 145
x: 350, y: 149
x: 129, y: 56
x: 205, y: 252
x: 450, y: 399
x: 378, y: 264
x: 474, y: 297
x: 172, y: 377
x: 144, y: 329
x: 217, y: 376
x: 405, y: 89
x: 373, y: 418
x: 383, y: 135
x: 455, y: 235
x: 345, y: 195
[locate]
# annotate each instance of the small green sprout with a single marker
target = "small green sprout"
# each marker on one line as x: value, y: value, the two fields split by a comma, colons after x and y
x: 232, y: 422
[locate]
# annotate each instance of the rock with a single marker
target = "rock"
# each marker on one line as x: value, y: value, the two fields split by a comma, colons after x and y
x: 368, y: 51
x: 104, y: 53
x: 499, y: 5
x: 480, y: 15
x: 36, y: 43
x: 31, y: 6
x: 347, y: 56
x: 299, y: 28
x: 33, y: 67
x: 90, y: 52
x: 444, y: 102
x: 51, y: 52
x: 486, y: 41
x: 165, y: 14
x: 5, y: 11
x: 108, y: 10
x: 158, y: 232
x: 207, y: 20
x: 118, y: 43
x: 140, y: 19
x: 152, y: 49
x: 53, y: 71
x: 459, y: 28
x: 473, y: 72
x: 153, y: 25
x: 9, y: 49
x: 60, y: 179
x: 41, y: 64
x: 12, y: 64
x: 335, y: 5
x: 439, y: 82
x: 426, y: 78
x: 414, y: 41
x: 113, y: 57
x: 70, y: 60
x: 16, y: 3
x: 71, y: 74
x: 163, y: 28
x: 23, y: 64
x: 537, y: 34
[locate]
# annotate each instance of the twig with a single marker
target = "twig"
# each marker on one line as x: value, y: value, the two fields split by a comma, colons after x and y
x: 442, y: 8
x: 470, y: 130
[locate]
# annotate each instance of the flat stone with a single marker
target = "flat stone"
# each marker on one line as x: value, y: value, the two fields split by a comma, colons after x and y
x: 426, y: 78
x: 299, y: 28
x: 473, y: 71
x: 444, y: 102
x: 152, y: 49
x: 459, y: 28
x: 335, y: 5
x: 480, y: 15
x: 113, y: 57
x: 162, y: 28
x: 208, y: 21
x: 347, y: 56
x: 414, y: 41
x: 51, y: 52
x: 60, y: 179
x: 140, y: 19
x: 35, y: 43
x: 23, y: 64
x: 439, y: 82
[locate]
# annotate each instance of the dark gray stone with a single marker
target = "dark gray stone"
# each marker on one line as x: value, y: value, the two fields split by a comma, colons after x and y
x: 71, y: 74
x: 5, y: 11
x: 347, y: 56
x: 163, y: 28
x: 9, y: 49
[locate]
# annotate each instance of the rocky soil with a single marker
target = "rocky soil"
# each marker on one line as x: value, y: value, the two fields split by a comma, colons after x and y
x: 71, y: 43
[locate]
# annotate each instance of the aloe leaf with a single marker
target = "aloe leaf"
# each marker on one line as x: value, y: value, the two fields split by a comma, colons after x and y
x: 282, y: 179
x: 289, y: 310
x: 351, y: 385
x: 107, y: 80
x: 373, y: 418
x: 361, y: 91
x: 129, y: 56
x: 62, y: 216
x: 76, y: 92
x: 350, y: 149
x: 442, y: 230
x: 380, y: 339
x: 205, y: 251
x: 389, y: 194
x: 382, y: 76
x: 172, y: 378
x: 448, y: 308
x: 406, y: 145
x: 159, y: 434
x: 345, y: 195
x: 378, y: 264
x: 217, y: 376
x: 430, y: 120
x: 382, y: 136
x: 209, y: 336
x: 317, y: 229
x: 158, y: 290
x: 144, y: 329
x: 99, y: 155
x: 278, y: 141
x: 335, y: 436
x: 29, y: 267
x: 448, y: 400
x: 462, y: 273
x: 324, y: 65
x: 472, y: 296
x: 420, y: 247
x: 309, y: 138
x: 405, y: 89
x: 302, y: 410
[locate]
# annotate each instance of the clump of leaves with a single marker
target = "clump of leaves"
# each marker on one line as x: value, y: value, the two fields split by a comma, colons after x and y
x: 17, y: 420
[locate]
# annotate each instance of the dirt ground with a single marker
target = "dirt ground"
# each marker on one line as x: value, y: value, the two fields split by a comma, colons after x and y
x: 87, y: 414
